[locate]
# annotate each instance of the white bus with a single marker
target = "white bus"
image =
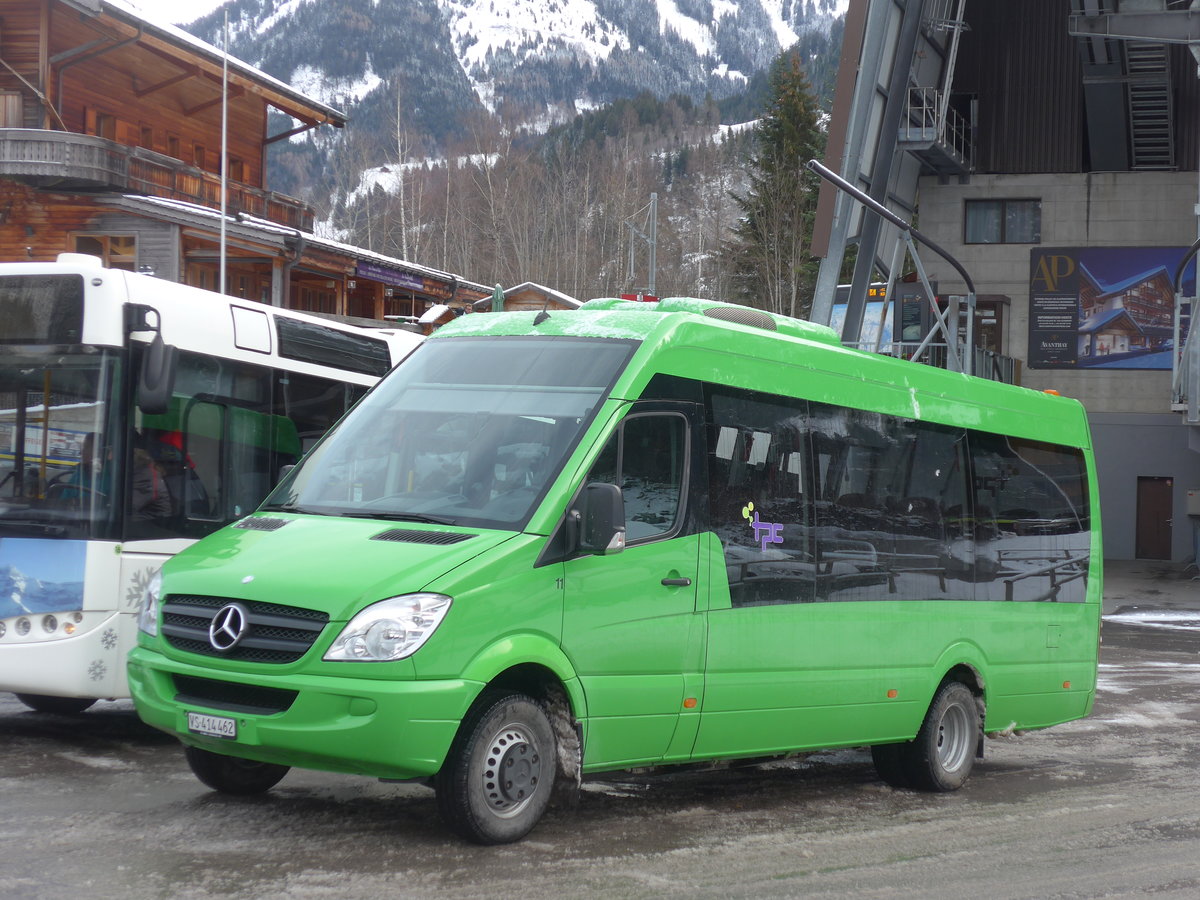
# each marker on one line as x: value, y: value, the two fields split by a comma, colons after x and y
x: 136, y: 416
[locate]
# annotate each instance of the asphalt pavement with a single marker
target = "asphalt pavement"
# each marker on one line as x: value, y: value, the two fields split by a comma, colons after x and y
x: 1150, y: 584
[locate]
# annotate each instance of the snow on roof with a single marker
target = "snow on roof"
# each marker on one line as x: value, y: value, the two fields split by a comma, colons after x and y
x: 267, y: 227
x: 132, y: 9
x: 431, y: 315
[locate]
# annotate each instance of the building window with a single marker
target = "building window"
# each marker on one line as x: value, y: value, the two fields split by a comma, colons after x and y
x: 1003, y: 222
x: 173, y: 146
x: 106, y: 126
x: 118, y: 251
x: 12, y: 113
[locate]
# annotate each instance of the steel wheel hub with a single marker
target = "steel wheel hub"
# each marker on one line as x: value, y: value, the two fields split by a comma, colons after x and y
x: 511, y: 771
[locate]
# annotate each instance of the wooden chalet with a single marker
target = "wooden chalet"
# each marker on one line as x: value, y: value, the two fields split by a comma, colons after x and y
x: 110, y: 144
x: 528, y: 295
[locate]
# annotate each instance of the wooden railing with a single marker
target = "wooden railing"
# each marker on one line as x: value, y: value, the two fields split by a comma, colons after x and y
x: 86, y: 162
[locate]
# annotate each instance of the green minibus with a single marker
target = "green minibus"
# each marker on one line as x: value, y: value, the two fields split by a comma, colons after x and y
x: 548, y: 545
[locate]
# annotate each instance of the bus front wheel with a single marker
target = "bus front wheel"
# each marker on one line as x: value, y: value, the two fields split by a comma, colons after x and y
x: 232, y: 775
x: 497, y: 778
x: 63, y: 706
x: 942, y: 755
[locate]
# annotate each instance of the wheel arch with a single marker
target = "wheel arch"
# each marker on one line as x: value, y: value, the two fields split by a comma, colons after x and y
x: 964, y: 663
x: 535, y: 666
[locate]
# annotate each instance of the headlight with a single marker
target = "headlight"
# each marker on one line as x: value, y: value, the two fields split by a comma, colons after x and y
x: 148, y: 612
x: 390, y: 629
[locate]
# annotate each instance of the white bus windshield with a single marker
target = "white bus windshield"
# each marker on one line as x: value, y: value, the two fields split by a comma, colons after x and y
x: 59, y: 459
x: 467, y: 431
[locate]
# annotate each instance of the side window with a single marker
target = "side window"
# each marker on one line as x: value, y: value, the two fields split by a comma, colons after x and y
x: 857, y: 458
x: 758, y: 506
x: 647, y: 458
x: 312, y: 404
x: 1031, y: 523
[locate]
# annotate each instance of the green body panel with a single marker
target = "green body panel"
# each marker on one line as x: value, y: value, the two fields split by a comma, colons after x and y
x: 386, y: 728
x: 634, y: 642
x: 654, y: 673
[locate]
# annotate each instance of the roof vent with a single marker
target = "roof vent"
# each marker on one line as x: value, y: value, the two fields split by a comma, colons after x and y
x: 410, y: 536
x: 742, y: 315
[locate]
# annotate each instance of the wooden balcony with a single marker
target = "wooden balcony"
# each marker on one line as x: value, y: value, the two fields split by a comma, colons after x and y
x: 66, y: 161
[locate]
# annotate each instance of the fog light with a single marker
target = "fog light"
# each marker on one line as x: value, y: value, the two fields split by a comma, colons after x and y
x: 49, y: 624
x: 23, y: 626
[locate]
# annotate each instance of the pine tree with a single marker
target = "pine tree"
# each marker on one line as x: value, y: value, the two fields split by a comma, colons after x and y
x: 769, y: 249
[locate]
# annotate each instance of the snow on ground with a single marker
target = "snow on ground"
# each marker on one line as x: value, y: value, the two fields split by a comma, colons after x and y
x: 1173, y: 620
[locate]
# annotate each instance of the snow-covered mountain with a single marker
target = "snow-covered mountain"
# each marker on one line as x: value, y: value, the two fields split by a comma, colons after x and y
x: 21, y: 594
x: 441, y: 63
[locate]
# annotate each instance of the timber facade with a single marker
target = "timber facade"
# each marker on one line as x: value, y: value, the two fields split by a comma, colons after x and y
x: 111, y: 144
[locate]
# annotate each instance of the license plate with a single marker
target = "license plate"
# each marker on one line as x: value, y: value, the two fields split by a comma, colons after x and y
x: 212, y: 726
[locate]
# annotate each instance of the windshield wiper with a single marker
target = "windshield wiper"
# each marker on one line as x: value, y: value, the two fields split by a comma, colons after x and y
x: 401, y: 517
x: 293, y: 508
x: 33, y: 526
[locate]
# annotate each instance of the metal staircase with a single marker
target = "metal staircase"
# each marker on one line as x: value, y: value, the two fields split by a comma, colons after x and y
x: 1151, y: 129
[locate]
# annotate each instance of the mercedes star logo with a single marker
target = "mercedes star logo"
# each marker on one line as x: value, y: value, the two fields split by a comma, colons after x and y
x: 228, y: 626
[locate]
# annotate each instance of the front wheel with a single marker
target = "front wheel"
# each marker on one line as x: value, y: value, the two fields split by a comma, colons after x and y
x: 942, y: 755
x: 63, y: 706
x: 498, y: 775
x: 232, y: 775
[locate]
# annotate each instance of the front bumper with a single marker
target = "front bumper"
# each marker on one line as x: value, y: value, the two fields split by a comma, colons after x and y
x: 386, y: 729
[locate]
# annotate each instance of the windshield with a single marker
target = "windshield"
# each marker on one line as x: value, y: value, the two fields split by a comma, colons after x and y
x: 56, y: 444
x: 466, y: 431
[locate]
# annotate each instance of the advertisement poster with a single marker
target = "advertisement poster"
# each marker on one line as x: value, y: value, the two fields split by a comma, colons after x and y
x: 40, y: 576
x: 1104, y: 307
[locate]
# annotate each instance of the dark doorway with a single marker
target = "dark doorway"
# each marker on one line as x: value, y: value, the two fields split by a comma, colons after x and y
x: 1153, y: 539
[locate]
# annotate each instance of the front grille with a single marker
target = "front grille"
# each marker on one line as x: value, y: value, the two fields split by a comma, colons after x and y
x: 233, y: 697
x: 276, y: 633
x: 411, y: 536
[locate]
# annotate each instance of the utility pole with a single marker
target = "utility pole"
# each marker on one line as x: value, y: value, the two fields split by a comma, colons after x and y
x: 650, y: 236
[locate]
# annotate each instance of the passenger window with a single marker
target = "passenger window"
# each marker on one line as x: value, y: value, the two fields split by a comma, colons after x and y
x: 647, y: 458
x: 1031, y: 521
x: 757, y: 452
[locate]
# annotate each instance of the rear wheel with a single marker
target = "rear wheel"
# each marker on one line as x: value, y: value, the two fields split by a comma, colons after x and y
x: 63, y: 706
x: 499, y: 773
x: 942, y: 755
x: 231, y: 774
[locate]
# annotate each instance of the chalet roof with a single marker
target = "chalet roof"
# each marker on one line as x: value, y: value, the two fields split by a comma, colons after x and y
x: 532, y: 287
x: 254, y: 228
x: 1108, y: 320
x: 278, y: 93
x: 1120, y: 287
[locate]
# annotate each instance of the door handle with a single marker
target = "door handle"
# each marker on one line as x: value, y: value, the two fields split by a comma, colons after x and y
x: 677, y: 582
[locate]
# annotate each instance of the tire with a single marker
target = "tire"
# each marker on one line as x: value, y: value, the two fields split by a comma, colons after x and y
x: 231, y: 774
x: 500, y: 771
x: 890, y: 764
x: 63, y: 706
x: 940, y: 758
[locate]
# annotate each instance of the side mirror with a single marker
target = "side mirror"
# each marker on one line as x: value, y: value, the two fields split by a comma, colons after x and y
x: 156, y: 381
x: 601, y: 519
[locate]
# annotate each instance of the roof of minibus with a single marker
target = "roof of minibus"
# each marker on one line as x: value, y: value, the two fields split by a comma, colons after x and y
x: 880, y: 382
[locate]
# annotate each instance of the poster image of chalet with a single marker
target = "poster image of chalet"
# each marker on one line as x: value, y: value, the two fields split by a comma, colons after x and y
x: 1104, y: 307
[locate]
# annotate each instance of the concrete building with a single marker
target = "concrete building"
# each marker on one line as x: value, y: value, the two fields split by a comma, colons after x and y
x: 1050, y: 146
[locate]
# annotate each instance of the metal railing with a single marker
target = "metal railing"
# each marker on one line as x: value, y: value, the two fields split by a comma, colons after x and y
x: 929, y: 119
x: 62, y: 157
x: 986, y: 363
